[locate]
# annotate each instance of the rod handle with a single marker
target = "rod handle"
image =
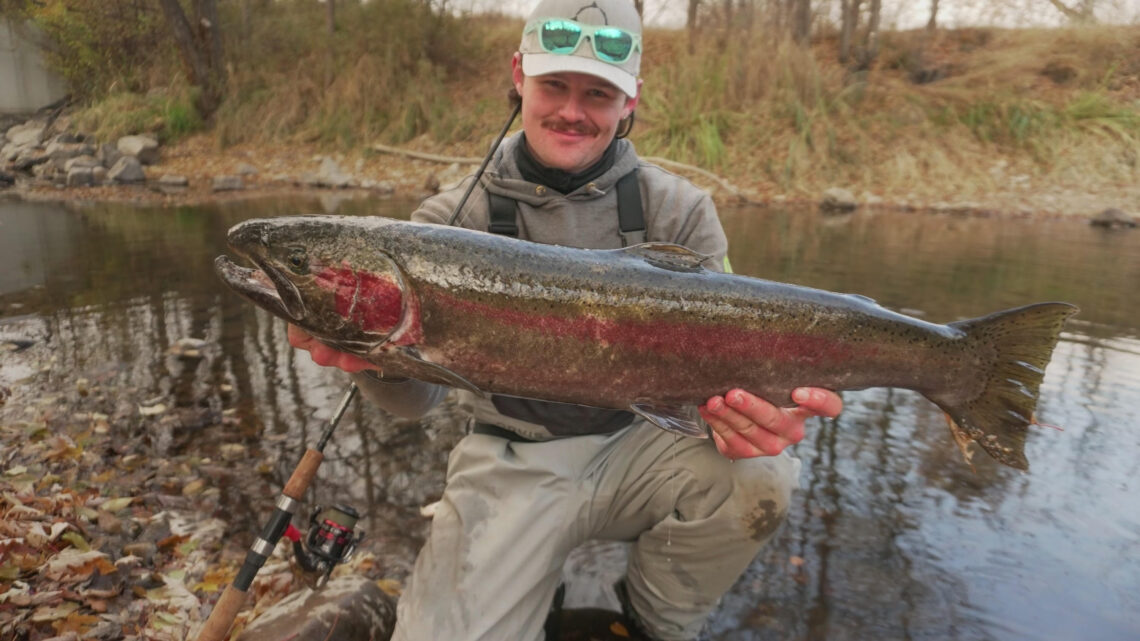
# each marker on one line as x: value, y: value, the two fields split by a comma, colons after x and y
x: 303, y: 476
x: 223, y: 615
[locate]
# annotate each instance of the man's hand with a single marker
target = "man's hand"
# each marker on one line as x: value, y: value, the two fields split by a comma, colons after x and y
x: 324, y: 355
x: 746, y: 426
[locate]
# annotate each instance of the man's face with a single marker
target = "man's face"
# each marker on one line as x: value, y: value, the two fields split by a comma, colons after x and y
x: 569, y: 118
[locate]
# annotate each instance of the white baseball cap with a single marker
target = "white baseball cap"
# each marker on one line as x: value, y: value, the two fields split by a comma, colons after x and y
x: 538, y: 60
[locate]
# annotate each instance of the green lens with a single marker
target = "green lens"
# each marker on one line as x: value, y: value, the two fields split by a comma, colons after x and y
x: 560, y: 36
x: 613, y: 45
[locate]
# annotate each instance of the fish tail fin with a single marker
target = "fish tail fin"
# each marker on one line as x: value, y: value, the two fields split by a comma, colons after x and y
x: 1021, y: 342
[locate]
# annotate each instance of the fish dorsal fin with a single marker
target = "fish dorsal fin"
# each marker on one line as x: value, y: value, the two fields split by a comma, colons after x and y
x: 669, y: 256
x: 676, y: 418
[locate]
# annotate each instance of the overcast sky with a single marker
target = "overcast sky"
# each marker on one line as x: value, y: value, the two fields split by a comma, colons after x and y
x: 902, y: 14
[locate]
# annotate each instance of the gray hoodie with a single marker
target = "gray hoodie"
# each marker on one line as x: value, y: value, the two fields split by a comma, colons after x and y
x: 675, y: 211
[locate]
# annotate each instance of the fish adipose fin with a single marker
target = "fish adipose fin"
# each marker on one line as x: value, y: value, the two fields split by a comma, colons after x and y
x: 679, y: 419
x: 668, y: 256
x: 1021, y: 341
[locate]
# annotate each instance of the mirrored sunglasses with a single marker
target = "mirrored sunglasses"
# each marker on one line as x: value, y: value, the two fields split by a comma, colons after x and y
x: 562, y: 36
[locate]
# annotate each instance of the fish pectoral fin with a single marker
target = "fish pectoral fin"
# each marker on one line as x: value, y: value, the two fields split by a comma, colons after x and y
x: 432, y: 372
x: 669, y: 256
x: 679, y: 419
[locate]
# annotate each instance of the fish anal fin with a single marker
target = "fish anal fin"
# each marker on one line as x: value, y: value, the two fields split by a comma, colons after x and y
x: 963, y: 440
x: 675, y: 418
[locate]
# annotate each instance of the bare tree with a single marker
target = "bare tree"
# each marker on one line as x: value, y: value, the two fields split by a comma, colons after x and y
x: 200, y: 46
x: 691, y: 24
x: 801, y: 21
x: 932, y: 24
x: 640, y: 6
x: 849, y: 24
x: 871, y: 43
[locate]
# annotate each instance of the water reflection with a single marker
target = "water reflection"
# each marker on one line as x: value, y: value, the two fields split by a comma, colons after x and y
x: 891, y: 535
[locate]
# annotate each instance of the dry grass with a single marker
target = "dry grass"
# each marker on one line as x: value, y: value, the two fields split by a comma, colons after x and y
x: 965, y: 112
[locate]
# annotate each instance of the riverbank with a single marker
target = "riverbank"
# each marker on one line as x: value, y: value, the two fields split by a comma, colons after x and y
x: 265, y: 170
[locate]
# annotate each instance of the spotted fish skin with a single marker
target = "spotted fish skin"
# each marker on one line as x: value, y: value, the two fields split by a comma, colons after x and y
x: 645, y: 328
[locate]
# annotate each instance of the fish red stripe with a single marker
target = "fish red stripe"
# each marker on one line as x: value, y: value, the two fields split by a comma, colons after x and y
x: 665, y: 337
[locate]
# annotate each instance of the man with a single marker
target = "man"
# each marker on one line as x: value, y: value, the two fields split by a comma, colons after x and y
x: 535, y: 479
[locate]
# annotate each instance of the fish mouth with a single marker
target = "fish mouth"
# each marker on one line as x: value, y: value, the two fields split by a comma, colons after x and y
x: 265, y: 285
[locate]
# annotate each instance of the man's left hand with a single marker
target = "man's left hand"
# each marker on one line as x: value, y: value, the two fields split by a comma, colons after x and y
x: 746, y: 426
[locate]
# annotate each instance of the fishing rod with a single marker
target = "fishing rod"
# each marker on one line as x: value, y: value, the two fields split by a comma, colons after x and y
x: 516, y: 106
x: 331, y: 538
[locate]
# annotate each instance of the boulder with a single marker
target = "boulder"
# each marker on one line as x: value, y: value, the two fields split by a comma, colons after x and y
x: 127, y: 170
x: 246, y: 169
x: 1112, y: 219
x: 331, y: 175
x: 29, y: 133
x: 61, y: 152
x: 837, y: 199
x: 144, y: 148
x: 108, y: 154
x: 88, y: 161
x: 80, y: 177
x: 349, y: 608
x: 227, y: 183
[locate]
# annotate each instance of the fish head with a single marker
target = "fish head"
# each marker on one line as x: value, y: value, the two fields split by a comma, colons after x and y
x: 323, y: 277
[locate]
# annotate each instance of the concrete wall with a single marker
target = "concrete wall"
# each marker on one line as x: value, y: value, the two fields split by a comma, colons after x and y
x: 25, y: 82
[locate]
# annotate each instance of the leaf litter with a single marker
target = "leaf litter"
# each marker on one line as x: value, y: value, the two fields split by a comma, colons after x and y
x: 107, y: 532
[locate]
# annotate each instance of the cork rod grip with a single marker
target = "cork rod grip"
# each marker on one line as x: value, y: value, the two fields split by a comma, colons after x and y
x: 223, y: 615
x: 303, y: 475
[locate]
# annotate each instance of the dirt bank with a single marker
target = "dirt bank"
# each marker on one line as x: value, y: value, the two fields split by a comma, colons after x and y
x: 281, y: 170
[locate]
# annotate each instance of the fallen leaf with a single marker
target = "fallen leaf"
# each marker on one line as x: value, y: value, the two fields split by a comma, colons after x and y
x: 115, y: 505
x: 53, y: 612
x: 76, y: 539
x: 152, y: 410
x: 73, y: 565
x: 618, y: 629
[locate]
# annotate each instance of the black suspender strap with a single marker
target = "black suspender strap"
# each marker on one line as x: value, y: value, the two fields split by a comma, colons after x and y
x: 631, y: 220
x: 503, y: 216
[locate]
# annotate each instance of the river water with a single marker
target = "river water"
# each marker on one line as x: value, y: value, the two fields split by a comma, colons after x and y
x: 891, y: 536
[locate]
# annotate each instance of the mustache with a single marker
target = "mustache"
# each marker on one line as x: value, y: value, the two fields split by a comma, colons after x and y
x: 557, y: 124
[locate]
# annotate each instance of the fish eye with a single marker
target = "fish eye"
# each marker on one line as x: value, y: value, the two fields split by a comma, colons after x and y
x: 298, y: 260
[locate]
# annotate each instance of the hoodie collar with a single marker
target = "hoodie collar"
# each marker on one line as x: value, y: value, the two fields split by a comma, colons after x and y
x: 506, y: 178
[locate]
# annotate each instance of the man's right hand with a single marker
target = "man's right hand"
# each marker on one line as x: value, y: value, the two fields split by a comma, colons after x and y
x: 324, y: 355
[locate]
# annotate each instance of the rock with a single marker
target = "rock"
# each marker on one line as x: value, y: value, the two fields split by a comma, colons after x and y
x: 6, y: 179
x: 347, y: 609
x: 80, y: 177
x: 30, y: 133
x: 1112, y: 219
x: 172, y: 180
x: 108, y: 154
x: 99, y: 175
x: 227, y: 183
x: 309, y: 179
x: 330, y: 175
x: 61, y: 152
x: 127, y: 170
x: 246, y: 169
x: 90, y: 162
x: 837, y: 199
x: 144, y: 148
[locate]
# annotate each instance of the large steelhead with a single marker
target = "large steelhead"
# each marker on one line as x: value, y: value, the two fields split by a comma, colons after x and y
x: 645, y: 328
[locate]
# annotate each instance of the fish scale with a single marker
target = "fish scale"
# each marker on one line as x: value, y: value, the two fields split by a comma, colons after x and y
x: 645, y: 328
